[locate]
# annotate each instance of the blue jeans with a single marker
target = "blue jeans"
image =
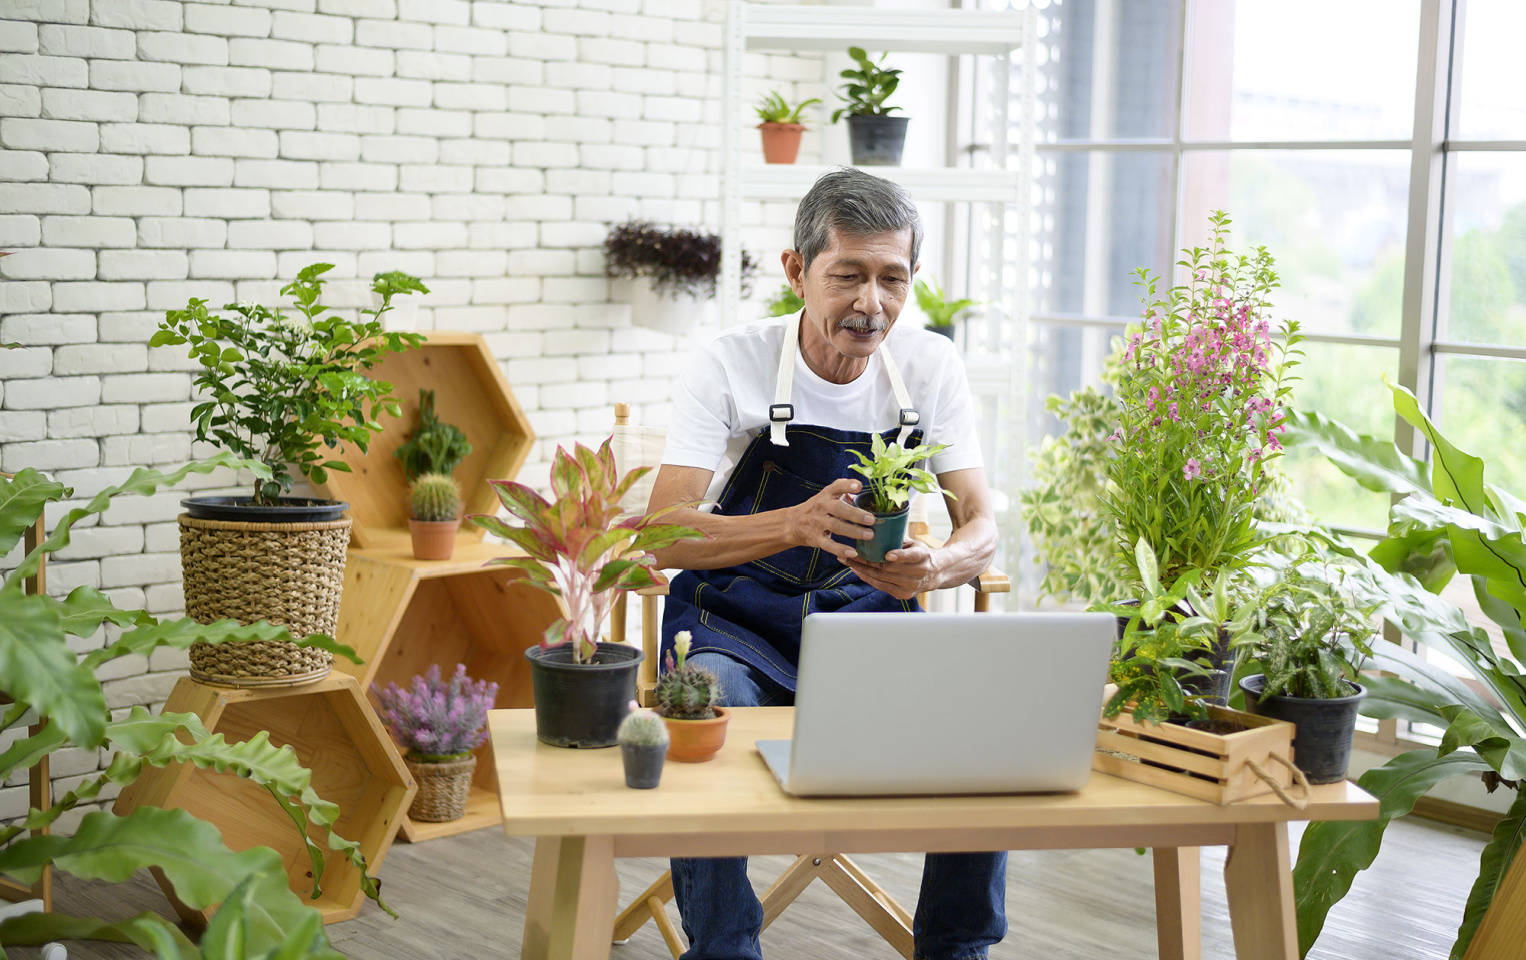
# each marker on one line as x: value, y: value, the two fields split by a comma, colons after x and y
x: 961, y: 910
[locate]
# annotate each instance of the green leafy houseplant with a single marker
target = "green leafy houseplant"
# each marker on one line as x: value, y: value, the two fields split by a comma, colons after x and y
x: 1300, y: 629
x: 891, y: 473
x: 773, y: 108
x: 434, y: 446
x: 1202, y: 395
x: 1449, y: 521
x: 940, y: 312
x: 577, y: 546
x: 259, y: 915
x: 280, y: 389
x: 785, y: 302
x: 868, y: 87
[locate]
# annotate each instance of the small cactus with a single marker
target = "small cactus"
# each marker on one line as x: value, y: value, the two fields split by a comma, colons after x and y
x: 434, y: 497
x: 686, y: 692
x: 642, y: 728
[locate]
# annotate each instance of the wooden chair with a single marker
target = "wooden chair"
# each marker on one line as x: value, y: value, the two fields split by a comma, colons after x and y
x: 880, y: 910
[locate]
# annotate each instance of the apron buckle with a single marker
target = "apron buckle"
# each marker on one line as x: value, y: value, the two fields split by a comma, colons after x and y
x: 781, y: 412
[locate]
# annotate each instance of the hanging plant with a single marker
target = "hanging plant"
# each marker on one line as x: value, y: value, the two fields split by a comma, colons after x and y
x: 675, y: 260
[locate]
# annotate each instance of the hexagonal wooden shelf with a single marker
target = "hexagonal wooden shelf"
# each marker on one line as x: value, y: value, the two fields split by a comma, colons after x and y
x: 470, y: 392
x: 337, y: 736
x: 403, y: 615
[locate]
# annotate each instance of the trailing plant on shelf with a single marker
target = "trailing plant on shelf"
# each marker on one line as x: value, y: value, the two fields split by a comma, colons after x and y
x: 891, y: 474
x: 434, y: 498
x: 773, y: 108
x: 677, y: 261
x: 684, y: 691
x: 434, y: 446
x: 258, y: 915
x: 868, y: 87
x: 785, y: 302
x: 940, y: 312
x: 437, y: 720
x: 577, y: 546
x: 284, y: 388
x: 1203, y: 393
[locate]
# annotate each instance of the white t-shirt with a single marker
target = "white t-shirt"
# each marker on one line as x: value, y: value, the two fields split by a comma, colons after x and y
x: 725, y: 391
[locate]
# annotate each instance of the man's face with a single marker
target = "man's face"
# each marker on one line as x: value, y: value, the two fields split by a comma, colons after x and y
x: 855, y: 289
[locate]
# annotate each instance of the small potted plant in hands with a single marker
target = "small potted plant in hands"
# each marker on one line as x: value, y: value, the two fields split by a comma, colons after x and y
x: 686, y: 699
x: 438, y: 725
x: 434, y: 507
x: 875, y: 137
x: 578, y: 548
x: 940, y: 313
x: 1304, y: 631
x: 890, y: 474
x: 781, y: 127
x: 643, y: 747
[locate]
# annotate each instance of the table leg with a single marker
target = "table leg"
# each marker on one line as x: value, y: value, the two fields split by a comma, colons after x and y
x: 573, y: 898
x: 1179, y: 902
x: 1258, y: 879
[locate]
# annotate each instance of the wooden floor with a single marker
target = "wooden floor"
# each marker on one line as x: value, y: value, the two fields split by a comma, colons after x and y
x: 463, y: 898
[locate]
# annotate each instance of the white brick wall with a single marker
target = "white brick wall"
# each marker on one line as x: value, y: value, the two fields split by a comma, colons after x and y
x: 155, y: 150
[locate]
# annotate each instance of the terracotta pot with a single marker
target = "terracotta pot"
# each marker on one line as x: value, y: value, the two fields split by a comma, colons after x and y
x: 781, y: 141
x: 695, y: 741
x: 433, y: 539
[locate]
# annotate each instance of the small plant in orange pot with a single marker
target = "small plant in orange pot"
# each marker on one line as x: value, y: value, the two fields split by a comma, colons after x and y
x: 781, y: 127
x: 686, y: 699
x: 434, y: 506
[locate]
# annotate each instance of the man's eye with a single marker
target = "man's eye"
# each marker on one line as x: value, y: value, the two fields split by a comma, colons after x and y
x: 846, y: 276
x: 894, y: 280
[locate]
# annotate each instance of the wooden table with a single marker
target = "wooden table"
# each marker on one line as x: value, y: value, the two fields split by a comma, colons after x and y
x: 575, y: 803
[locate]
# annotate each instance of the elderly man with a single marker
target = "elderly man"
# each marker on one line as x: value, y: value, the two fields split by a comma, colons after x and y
x: 763, y: 423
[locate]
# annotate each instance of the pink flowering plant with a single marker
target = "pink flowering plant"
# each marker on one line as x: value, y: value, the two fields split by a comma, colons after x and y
x: 1202, y: 401
x: 436, y: 721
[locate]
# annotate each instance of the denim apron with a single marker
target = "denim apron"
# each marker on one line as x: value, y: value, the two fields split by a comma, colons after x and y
x: 753, y: 612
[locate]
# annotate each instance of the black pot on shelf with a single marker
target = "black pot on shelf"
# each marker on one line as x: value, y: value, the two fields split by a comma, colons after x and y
x: 284, y: 510
x: 1322, y: 742
x: 876, y: 141
x: 582, y: 704
x: 944, y: 330
x: 643, y: 764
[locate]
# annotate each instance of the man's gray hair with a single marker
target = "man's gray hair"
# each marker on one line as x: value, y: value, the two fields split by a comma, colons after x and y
x: 857, y: 204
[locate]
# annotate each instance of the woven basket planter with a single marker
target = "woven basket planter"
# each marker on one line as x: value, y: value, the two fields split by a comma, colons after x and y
x: 443, y: 788
x: 288, y: 573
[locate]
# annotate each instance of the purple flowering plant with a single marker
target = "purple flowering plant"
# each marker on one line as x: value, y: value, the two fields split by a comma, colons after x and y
x: 1203, y: 397
x: 436, y: 721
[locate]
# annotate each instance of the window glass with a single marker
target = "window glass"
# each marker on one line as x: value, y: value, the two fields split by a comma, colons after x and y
x: 1489, y: 103
x: 1111, y: 68
x: 1483, y: 411
x: 1486, y: 198
x: 1302, y: 69
x: 1334, y: 220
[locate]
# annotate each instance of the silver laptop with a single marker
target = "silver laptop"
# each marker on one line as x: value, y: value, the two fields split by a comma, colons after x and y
x: 925, y: 703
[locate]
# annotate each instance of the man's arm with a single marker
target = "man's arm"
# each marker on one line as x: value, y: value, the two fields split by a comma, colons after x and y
x: 916, y: 567
x: 737, y: 540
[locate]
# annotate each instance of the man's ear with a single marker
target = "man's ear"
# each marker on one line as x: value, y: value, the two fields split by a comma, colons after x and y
x: 794, y: 271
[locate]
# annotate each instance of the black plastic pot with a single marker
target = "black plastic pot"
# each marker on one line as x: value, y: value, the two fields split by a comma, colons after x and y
x: 889, y: 531
x: 643, y: 764
x: 582, y: 704
x: 1213, y: 688
x: 286, y: 510
x: 1322, y: 742
x: 946, y: 330
x: 877, y: 141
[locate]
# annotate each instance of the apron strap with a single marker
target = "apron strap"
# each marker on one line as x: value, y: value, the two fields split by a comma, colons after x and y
x: 781, y: 411
x: 909, y: 415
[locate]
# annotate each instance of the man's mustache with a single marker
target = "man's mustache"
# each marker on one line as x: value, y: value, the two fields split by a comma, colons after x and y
x: 863, y: 324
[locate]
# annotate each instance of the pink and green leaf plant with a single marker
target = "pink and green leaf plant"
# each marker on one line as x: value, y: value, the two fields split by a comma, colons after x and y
x: 579, y: 546
x: 436, y: 721
x: 1203, y: 396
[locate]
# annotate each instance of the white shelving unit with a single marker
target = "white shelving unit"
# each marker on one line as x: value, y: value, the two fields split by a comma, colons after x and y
x: 996, y: 360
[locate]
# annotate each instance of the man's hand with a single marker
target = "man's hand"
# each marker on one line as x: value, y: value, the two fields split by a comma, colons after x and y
x: 813, y: 522
x: 905, y: 573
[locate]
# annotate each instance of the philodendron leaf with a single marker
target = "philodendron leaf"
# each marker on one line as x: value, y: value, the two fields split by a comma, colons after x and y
x: 1372, y: 462
x: 1500, y: 748
x: 1498, y: 854
x: 22, y: 499
x: 38, y: 668
x: 86, y: 608
x: 147, y: 930
x: 1333, y: 853
x: 185, y: 631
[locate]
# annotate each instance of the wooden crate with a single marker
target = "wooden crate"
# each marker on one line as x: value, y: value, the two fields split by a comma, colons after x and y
x: 470, y: 392
x: 336, y: 735
x: 1207, y: 766
x: 404, y: 615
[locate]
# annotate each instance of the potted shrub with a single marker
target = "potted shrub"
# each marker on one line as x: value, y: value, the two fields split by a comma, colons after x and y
x: 643, y: 746
x: 874, y: 137
x: 686, y: 700
x: 438, y: 725
x: 1299, y: 630
x: 578, y: 548
x: 785, y: 302
x: 890, y: 474
x: 940, y: 313
x: 281, y: 389
x: 434, y: 507
x: 781, y: 127
x: 434, y: 446
x: 675, y: 271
